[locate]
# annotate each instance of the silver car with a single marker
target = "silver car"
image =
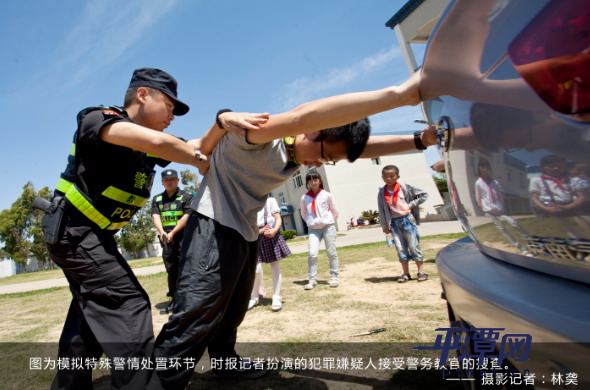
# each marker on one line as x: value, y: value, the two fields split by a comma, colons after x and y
x: 509, y: 89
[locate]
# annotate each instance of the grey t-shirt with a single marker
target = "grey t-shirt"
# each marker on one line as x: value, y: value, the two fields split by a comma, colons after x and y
x: 239, y: 179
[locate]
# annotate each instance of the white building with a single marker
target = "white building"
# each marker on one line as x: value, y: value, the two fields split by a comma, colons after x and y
x: 355, y: 187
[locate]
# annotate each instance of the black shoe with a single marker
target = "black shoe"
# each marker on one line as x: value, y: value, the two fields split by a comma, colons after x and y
x: 167, y: 309
x: 245, y: 369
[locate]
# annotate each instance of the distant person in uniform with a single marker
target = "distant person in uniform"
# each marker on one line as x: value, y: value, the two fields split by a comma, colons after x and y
x: 170, y: 211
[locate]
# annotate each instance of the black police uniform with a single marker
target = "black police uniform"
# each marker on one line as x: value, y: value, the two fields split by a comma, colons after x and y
x: 171, y: 209
x: 104, y: 185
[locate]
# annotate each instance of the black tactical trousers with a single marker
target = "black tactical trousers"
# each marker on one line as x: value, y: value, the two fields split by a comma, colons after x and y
x: 110, y: 311
x: 171, y: 257
x: 216, y: 275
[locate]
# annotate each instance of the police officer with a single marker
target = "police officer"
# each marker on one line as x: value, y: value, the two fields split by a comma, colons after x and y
x: 108, y: 178
x: 170, y: 211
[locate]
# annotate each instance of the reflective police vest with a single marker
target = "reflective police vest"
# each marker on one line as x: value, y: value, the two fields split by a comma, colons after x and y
x: 117, y: 201
x: 170, y: 212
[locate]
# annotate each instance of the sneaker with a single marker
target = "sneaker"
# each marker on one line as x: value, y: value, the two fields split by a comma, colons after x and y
x: 334, y: 282
x: 310, y: 285
x: 277, y: 303
x: 244, y: 369
x: 253, y: 302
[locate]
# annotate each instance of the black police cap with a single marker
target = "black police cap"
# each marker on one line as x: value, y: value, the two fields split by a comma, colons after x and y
x: 169, y: 173
x: 156, y: 78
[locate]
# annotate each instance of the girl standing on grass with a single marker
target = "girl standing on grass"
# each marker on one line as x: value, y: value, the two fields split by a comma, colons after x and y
x: 272, y: 249
x: 318, y: 210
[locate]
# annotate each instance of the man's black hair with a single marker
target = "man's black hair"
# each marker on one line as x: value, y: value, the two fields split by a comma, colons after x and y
x: 355, y: 134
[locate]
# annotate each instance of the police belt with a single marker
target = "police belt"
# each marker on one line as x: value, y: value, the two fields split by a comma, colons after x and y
x: 84, y: 205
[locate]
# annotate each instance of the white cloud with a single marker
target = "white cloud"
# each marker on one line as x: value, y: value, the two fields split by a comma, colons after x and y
x: 305, y: 89
x: 105, y: 31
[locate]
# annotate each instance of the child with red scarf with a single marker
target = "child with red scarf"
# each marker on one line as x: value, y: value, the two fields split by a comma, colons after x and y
x: 395, y: 202
x: 318, y: 210
x: 556, y: 194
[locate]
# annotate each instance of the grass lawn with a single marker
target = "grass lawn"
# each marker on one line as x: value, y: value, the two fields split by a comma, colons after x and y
x: 56, y: 273
x: 316, y: 324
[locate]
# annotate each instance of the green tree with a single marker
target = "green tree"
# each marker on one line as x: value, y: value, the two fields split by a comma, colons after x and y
x: 189, y: 181
x: 139, y: 232
x: 440, y: 179
x: 20, y: 227
x: 370, y: 215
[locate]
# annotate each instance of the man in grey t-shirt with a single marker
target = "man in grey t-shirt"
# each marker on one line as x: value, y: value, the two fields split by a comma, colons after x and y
x: 219, y: 251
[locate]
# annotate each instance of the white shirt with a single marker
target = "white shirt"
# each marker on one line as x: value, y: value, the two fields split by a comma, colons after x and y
x: 272, y: 208
x: 325, y: 212
x: 489, y: 196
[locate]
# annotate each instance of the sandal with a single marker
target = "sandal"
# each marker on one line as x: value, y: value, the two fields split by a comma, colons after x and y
x: 422, y: 276
x: 404, y: 278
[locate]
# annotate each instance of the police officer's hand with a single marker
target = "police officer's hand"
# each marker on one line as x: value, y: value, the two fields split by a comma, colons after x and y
x: 170, y: 237
x: 239, y: 122
x: 202, y: 164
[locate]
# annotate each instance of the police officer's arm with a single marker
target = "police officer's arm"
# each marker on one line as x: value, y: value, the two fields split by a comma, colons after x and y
x: 334, y: 111
x: 158, y: 224
x: 156, y: 218
x: 154, y: 142
x: 179, y: 226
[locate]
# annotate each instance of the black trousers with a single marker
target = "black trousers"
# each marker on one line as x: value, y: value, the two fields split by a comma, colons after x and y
x: 171, y: 257
x: 216, y: 275
x: 110, y: 311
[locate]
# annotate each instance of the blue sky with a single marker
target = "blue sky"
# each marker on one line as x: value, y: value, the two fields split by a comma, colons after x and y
x: 59, y: 57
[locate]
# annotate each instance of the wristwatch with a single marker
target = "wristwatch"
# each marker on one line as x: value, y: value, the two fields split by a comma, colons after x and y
x: 198, y: 155
x: 217, y: 117
x: 418, y: 140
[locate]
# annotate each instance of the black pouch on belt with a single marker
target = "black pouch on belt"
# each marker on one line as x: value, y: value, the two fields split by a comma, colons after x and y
x: 52, y: 221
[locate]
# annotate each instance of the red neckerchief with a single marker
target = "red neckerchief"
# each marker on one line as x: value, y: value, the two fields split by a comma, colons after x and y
x: 313, y: 206
x: 557, y: 180
x: 388, y: 199
x: 489, y: 183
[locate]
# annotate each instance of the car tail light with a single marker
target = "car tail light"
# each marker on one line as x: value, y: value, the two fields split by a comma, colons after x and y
x: 552, y: 54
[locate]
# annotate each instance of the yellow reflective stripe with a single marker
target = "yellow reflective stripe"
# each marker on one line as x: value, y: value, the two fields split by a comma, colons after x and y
x: 117, y: 225
x: 79, y: 201
x: 151, y: 155
x: 63, y: 185
x: 73, y: 149
x: 172, y: 213
x: 124, y: 197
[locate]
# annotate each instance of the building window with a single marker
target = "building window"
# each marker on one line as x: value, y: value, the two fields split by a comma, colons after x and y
x: 376, y: 161
x: 297, y: 180
x: 282, y: 199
